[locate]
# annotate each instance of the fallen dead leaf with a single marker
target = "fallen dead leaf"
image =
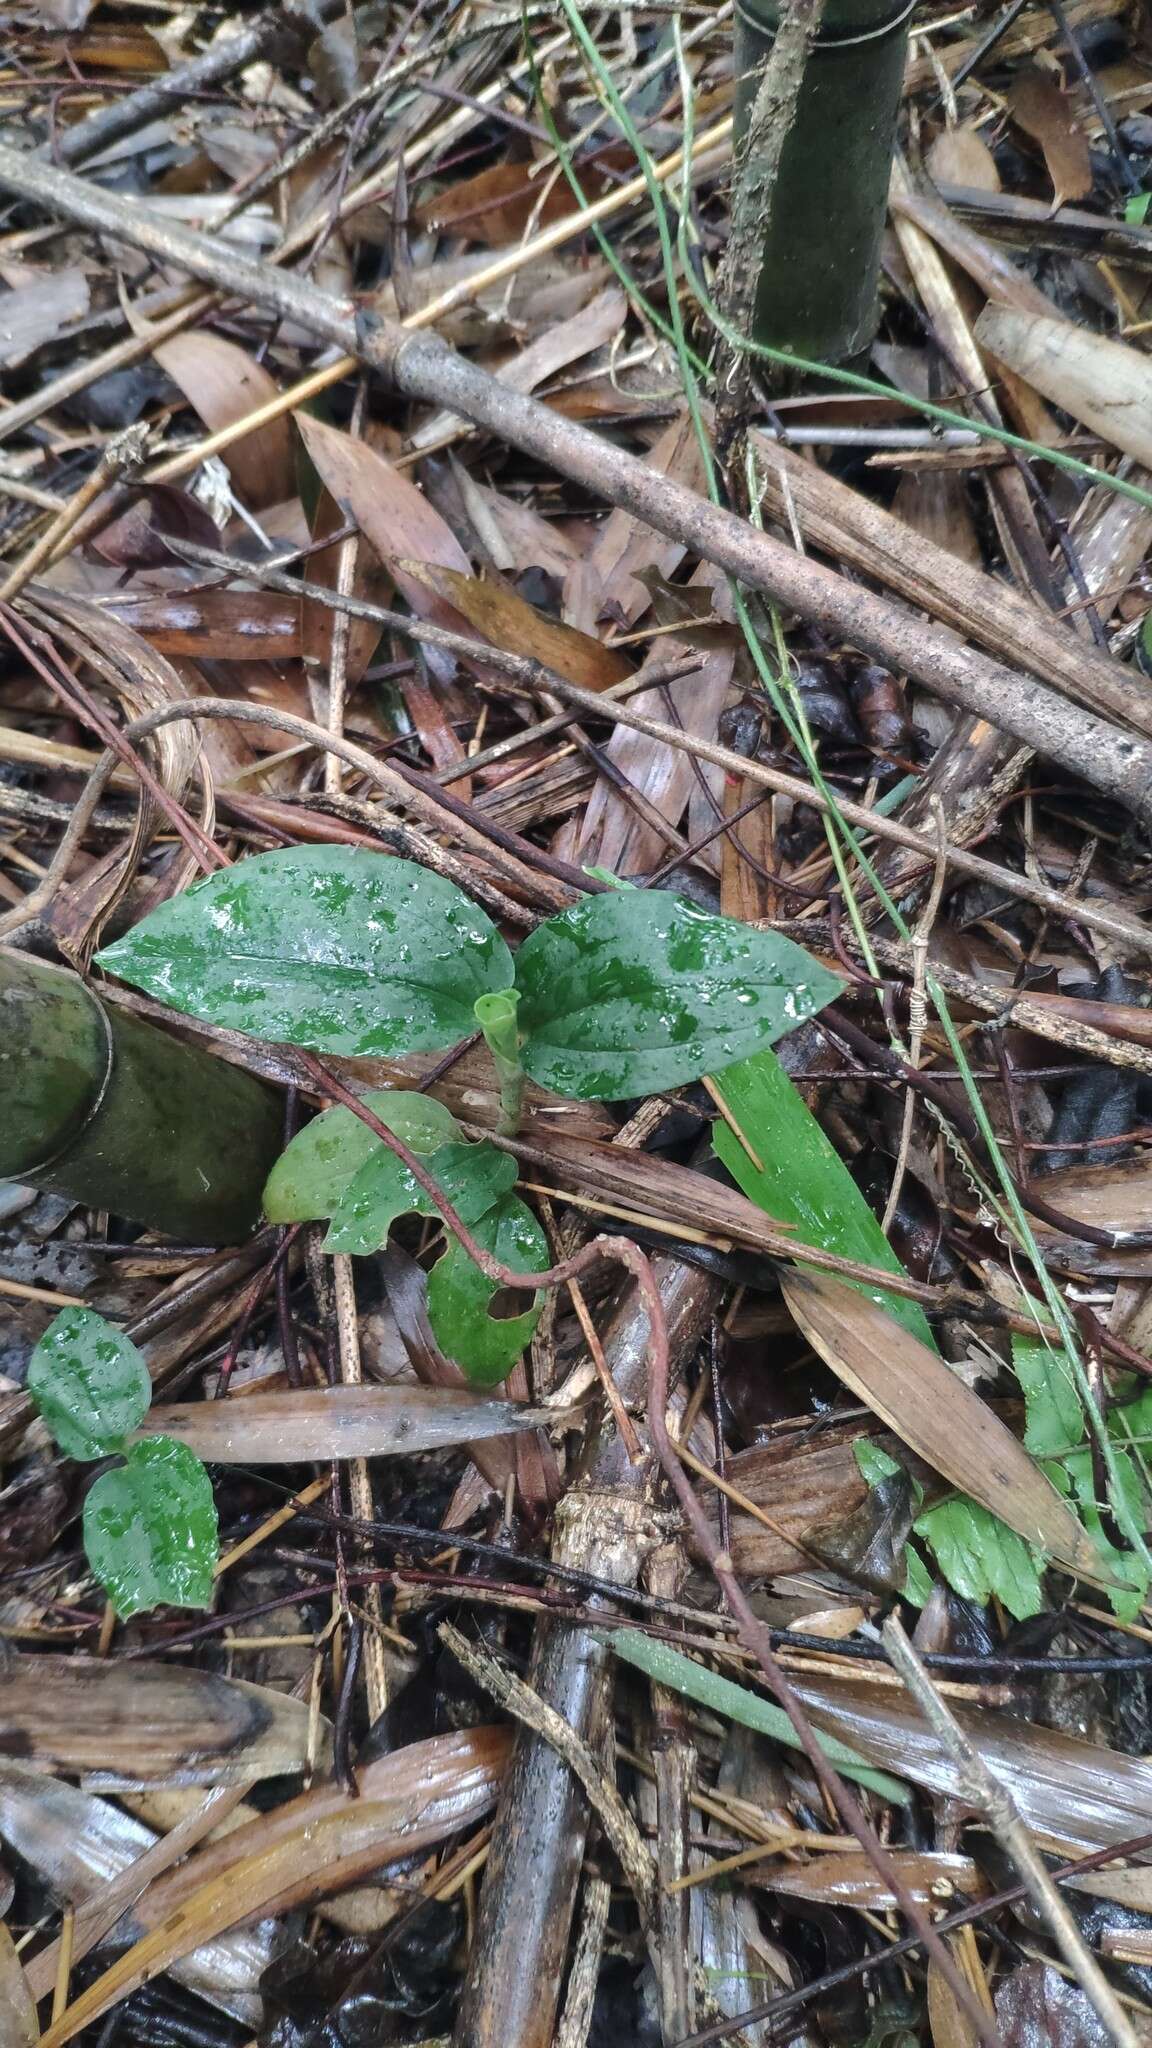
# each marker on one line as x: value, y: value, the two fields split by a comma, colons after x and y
x: 1044, y: 112
x: 931, y: 1410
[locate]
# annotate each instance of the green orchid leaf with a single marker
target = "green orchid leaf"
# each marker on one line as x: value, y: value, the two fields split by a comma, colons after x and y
x: 979, y: 1555
x: 801, y: 1179
x: 325, y: 946
x: 486, y: 1346
x: 738, y: 1703
x: 89, y: 1382
x: 311, y: 1175
x: 150, y: 1529
x: 472, y: 1177
x: 636, y: 991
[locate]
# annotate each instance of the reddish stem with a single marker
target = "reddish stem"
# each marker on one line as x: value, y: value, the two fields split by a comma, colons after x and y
x: 753, y: 1634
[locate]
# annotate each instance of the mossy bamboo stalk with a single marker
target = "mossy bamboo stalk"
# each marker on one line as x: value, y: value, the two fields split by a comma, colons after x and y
x: 819, y: 253
x: 100, y: 1106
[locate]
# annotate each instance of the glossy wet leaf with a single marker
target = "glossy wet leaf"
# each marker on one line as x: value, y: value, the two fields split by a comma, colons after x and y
x: 150, y: 1529
x: 312, y: 1173
x: 472, y: 1177
x: 89, y: 1382
x: 800, y: 1178
x: 979, y: 1556
x: 635, y: 991
x: 325, y: 946
x: 459, y: 1294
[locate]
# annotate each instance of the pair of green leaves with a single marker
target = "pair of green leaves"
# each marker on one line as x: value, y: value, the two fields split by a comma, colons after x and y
x: 351, y: 952
x: 336, y: 1167
x: 149, y: 1524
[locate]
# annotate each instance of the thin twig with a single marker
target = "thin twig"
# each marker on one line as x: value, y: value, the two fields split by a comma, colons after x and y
x: 989, y: 1795
x: 511, y: 1692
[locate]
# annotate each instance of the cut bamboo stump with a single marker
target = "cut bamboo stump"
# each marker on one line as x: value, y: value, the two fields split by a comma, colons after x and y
x: 99, y: 1106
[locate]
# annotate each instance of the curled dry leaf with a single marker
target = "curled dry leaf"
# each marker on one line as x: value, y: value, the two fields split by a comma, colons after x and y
x: 339, y: 1422
x: 223, y: 384
x: 317, y: 1844
x: 79, y: 1844
x: 130, y: 1724
x: 1105, y: 384
x: 138, y: 538
x: 142, y: 680
x: 940, y: 1418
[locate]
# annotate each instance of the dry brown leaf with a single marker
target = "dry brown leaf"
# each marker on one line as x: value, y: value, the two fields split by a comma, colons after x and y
x: 848, y: 1879
x: 961, y: 157
x: 428, y: 1790
x: 915, y: 1393
x: 327, y: 1840
x: 370, y: 582
x: 216, y: 625
x: 496, y: 206
x: 505, y: 620
x: 1102, y: 383
x: 338, y: 1422
x: 19, y: 2026
x: 390, y: 511
x: 611, y: 834
x: 1044, y: 112
x: 223, y: 383
x: 1114, y: 1196
x: 625, y: 544
x: 128, y: 1723
x: 1076, y: 1796
x: 36, y: 309
x: 951, y: 2026
x: 118, y: 49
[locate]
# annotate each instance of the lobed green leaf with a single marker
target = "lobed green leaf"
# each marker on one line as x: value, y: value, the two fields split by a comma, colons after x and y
x: 460, y: 1295
x: 979, y: 1555
x: 313, y: 1172
x: 472, y: 1178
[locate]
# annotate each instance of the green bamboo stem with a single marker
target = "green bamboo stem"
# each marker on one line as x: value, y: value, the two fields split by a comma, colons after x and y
x: 496, y: 1016
x: 99, y: 1106
x: 820, y: 254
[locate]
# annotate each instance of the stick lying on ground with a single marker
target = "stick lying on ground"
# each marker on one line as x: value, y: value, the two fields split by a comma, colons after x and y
x: 421, y: 366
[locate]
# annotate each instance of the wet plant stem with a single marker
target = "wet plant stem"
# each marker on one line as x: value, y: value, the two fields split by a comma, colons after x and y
x: 496, y: 1016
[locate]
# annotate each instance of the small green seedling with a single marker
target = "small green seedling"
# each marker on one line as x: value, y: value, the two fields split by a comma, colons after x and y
x: 349, y: 952
x: 150, y: 1522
